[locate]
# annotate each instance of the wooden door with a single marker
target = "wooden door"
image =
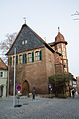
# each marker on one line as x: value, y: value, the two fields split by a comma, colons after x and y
x: 25, y: 88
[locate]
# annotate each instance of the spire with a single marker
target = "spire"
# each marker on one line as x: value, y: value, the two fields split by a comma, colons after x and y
x: 58, y: 29
x: 24, y: 20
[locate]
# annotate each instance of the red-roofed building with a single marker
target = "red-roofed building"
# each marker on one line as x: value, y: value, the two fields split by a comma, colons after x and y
x: 3, y: 78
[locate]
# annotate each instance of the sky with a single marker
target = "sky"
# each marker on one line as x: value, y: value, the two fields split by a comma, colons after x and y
x: 44, y: 17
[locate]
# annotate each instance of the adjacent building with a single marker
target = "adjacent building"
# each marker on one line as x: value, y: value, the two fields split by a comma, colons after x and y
x: 77, y: 78
x: 36, y: 60
x: 3, y: 78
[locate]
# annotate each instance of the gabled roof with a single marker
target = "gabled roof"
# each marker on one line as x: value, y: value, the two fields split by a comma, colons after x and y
x: 33, y: 41
x: 3, y: 65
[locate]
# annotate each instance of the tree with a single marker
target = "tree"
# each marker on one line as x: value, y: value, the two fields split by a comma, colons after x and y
x: 59, y: 82
x: 6, y: 44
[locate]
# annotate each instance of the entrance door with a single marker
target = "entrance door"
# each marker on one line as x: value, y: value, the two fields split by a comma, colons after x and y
x: 25, y: 88
x: 1, y: 91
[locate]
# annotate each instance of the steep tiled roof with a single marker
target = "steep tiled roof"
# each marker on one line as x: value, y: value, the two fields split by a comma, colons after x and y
x: 33, y: 41
x: 3, y: 65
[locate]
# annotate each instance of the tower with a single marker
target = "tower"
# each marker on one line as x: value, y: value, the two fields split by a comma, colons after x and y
x: 60, y: 46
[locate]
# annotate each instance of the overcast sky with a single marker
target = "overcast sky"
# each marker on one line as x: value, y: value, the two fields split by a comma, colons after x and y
x: 44, y: 17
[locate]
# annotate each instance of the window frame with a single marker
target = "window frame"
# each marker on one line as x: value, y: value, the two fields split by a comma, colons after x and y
x: 20, y: 59
x: 1, y: 75
x: 30, y: 57
x: 37, y: 56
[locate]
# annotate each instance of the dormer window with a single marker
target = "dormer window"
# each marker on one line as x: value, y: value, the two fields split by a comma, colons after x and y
x: 25, y: 41
x: 22, y: 42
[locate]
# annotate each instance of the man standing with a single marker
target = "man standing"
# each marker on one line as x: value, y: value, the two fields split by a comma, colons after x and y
x: 33, y: 92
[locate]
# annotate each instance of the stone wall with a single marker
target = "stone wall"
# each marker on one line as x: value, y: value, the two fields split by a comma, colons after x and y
x: 35, y: 73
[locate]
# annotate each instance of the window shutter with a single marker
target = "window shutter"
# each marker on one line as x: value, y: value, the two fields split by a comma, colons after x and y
x: 17, y: 59
x: 25, y: 58
x: 32, y: 56
x: 40, y: 54
x: 10, y: 60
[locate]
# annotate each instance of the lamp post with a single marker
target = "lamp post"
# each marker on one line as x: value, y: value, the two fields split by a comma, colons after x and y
x: 8, y: 79
x: 14, y: 77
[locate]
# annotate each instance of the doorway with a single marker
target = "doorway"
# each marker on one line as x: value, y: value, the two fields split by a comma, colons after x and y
x: 1, y: 90
x: 25, y: 88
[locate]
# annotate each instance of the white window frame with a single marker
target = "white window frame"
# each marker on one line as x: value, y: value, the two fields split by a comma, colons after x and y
x: 20, y: 59
x: 37, y: 56
x: 29, y: 57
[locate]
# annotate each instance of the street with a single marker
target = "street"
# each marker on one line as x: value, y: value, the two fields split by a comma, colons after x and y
x: 40, y: 108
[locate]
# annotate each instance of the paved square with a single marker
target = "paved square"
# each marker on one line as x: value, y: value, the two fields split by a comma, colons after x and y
x: 40, y: 108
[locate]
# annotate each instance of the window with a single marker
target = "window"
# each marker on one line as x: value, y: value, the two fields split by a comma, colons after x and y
x: 29, y: 57
x: 16, y: 59
x: 59, y: 46
x: 20, y: 59
x: 24, y: 58
x: 37, y: 55
x: 1, y: 74
x: 63, y: 53
x: 23, y: 42
x: 65, y: 69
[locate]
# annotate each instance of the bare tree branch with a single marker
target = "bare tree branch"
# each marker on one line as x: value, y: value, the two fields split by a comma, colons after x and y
x: 6, y: 44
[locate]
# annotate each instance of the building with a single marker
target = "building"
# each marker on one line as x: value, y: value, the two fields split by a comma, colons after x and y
x: 77, y: 78
x: 60, y: 46
x: 3, y: 78
x: 36, y: 60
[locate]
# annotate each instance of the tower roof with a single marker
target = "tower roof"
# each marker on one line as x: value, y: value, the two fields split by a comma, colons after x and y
x: 60, y: 38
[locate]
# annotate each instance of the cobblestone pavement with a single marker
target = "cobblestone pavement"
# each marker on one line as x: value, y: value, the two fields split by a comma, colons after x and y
x: 40, y: 108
